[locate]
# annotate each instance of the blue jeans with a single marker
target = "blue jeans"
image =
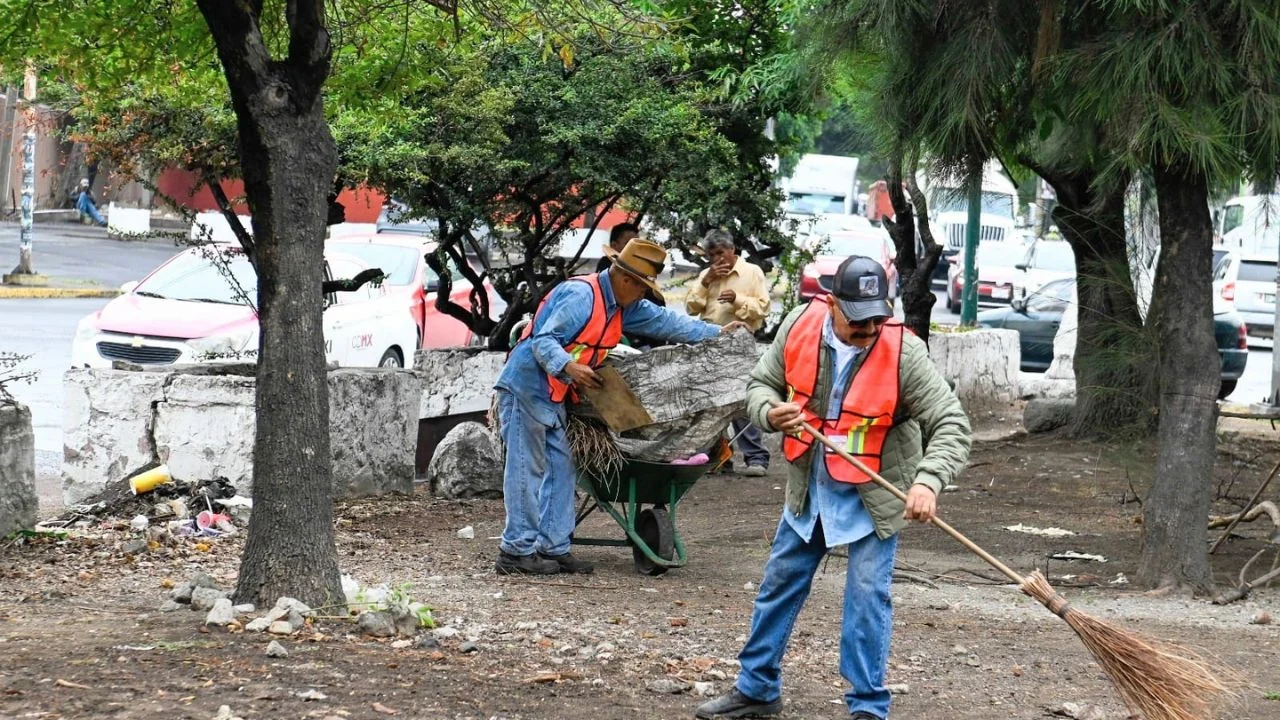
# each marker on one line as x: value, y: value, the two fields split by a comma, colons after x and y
x: 85, y: 205
x: 537, y: 486
x: 751, y: 443
x: 865, y: 630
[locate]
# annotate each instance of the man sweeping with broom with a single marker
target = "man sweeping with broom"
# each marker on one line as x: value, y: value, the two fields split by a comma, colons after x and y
x: 854, y: 418
x: 571, y: 334
x: 841, y: 364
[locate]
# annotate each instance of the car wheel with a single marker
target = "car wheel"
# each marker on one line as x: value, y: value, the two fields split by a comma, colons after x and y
x: 391, y: 359
x: 1228, y: 387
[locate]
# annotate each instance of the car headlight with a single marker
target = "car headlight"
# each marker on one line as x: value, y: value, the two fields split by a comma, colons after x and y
x: 86, y: 329
x: 231, y: 346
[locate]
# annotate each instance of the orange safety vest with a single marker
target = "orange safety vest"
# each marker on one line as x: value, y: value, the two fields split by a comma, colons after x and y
x: 869, y: 406
x: 601, y: 334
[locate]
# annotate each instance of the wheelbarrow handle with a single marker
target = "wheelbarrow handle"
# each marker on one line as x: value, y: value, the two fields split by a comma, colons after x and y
x: 885, y: 484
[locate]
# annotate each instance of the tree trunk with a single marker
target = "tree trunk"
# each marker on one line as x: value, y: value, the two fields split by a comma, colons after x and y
x: 1115, y: 391
x: 289, y: 161
x: 915, y: 271
x: 1174, y: 551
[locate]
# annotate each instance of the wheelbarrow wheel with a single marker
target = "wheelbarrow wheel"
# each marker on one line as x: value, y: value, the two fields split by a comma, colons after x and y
x: 654, y: 527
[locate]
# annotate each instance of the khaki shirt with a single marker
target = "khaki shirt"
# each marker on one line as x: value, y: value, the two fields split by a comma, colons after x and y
x: 751, y: 306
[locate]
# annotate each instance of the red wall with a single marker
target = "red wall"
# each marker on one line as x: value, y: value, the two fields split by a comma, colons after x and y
x: 362, y: 204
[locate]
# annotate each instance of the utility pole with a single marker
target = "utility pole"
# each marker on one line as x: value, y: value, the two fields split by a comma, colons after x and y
x: 969, y: 296
x: 28, y: 181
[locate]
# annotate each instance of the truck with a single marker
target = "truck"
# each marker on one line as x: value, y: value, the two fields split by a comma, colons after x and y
x: 949, y: 213
x: 1250, y: 224
x: 822, y: 185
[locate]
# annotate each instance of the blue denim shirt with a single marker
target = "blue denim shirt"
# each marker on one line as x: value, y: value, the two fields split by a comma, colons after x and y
x: 566, y: 313
x: 844, y: 518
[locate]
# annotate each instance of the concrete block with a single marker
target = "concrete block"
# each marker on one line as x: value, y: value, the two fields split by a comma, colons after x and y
x: 18, y: 500
x: 982, y: 364
x: 107, y: 427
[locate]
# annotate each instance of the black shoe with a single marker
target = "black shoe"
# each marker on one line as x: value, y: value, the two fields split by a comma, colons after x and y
x: 509, y: 564
x: 567, y: 563
x: 860, y: 715
x: 737, y: 705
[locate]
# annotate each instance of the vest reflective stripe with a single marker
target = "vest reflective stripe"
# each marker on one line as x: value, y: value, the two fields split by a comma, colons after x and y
x: 592, y: 345
x: 869, y: 407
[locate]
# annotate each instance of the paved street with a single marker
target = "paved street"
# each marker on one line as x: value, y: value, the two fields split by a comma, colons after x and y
x: 83, y: 253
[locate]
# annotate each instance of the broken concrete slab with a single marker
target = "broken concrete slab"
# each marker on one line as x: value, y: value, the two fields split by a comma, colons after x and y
x: 18, y: 499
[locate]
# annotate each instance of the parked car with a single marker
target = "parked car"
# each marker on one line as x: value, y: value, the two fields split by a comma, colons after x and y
x: 1038, y: 316
x: 870, y: 242
x: 997, y: 270
x: 1248, y: 282
x: 188, y: 311
x: 401, y: 257
x: 1046, y: 261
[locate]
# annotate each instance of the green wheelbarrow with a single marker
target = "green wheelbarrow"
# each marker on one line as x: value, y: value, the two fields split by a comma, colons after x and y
x: 655, y: 543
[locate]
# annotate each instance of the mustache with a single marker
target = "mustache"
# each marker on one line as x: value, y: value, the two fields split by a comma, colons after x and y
x: 864, y: 336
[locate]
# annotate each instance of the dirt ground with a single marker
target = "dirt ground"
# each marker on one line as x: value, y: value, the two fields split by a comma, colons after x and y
x: 82, y: 637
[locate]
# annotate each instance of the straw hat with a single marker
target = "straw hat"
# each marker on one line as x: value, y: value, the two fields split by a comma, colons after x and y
x: 643, y: 260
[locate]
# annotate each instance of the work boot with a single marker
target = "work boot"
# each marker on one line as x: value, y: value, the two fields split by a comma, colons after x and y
x: 737, y: 705
x: 567, y: 563
x: 863, y: 715
x: 535, y: 564
x: 756, y: 470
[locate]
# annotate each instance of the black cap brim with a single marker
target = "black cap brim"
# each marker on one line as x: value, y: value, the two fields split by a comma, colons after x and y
x: 860, y: 310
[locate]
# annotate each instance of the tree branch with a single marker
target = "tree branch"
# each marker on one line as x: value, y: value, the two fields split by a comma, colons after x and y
x: 229, y: 213
x: 309, y: 47
x: 235, y: 31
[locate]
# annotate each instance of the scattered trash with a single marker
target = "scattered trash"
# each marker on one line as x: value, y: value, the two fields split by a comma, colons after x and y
x: 139, y: 523
x: 1046, y: 532
x: 1072, y: 555
x: 467, y: 533
x: 312, y: 695
x: 699, y: 459
x: 147, y: 480
x: 1120, y: 580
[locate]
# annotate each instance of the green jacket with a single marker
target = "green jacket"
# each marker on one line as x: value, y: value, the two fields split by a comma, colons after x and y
x: 931, y: 448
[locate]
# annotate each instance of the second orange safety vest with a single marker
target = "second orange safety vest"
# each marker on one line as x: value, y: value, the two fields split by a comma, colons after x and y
x: 601, y: 334
x: 870, y: 404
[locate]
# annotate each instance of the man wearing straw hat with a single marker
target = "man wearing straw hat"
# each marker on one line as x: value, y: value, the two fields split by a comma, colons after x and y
x: 574, y: 329
x: 841, y: 364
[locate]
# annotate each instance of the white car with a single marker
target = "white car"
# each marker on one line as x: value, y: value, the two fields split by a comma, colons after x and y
x: 1248, y: 282
x: 1046, y: 261
x: 189, y: 310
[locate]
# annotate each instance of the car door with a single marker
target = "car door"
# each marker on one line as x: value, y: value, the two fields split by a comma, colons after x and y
x: 349, y: 339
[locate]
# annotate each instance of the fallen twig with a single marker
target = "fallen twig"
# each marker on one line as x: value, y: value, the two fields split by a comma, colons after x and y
x: 1248, y: 507
x: 68, y: 684
x: 556, y: 583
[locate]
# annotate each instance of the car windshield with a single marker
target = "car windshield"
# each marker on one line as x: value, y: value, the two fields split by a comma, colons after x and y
x: 851, y: 243
x: 953, y: 200
x: 1257, y: 271
x: 204, y: 275
x: 1054, y: 296
x: 814, y: 203
x: 1054, y: 256
x: 997, y: 254
x: 827, y: 224
x: 399, y: 262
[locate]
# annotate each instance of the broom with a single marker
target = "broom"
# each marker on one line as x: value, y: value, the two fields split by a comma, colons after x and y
x: 1155, y: 680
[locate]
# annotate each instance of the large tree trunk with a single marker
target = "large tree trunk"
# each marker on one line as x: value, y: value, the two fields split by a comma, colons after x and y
x: 1115, y: 390
x: 1174, y: 551
x: 289, y: 161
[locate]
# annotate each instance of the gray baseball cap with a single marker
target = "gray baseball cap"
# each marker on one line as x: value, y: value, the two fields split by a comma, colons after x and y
x: 861, y: 288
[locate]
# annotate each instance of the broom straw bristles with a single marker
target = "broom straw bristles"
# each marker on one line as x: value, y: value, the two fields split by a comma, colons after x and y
x: 1157, y: 681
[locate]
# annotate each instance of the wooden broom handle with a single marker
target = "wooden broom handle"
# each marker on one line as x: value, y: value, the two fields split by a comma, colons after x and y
x: 937, y: 521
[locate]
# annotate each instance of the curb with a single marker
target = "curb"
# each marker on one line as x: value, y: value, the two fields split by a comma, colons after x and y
x: 12, y: 292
